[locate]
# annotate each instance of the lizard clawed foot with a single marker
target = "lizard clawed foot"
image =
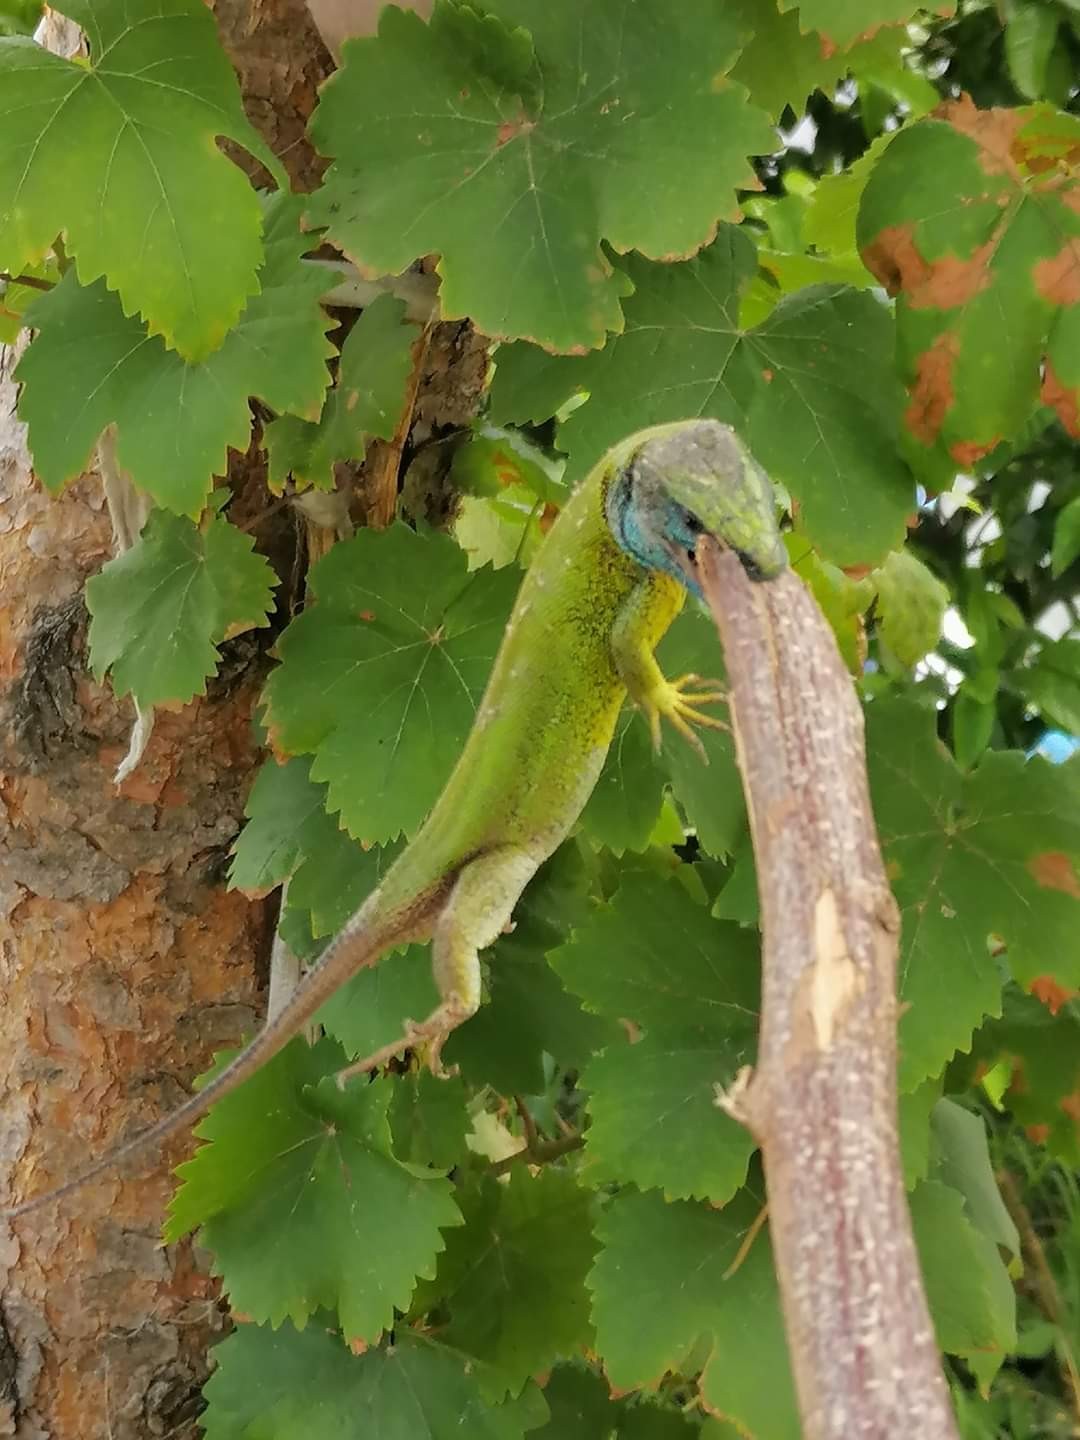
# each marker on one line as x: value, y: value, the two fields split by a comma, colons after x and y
x: 430, y: 1036
x: 677, y: 701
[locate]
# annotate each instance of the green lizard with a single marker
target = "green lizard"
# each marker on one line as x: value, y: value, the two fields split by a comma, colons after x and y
x: 605, y: 585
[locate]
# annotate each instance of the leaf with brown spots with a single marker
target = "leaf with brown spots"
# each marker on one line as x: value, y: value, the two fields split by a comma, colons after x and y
x: 969, y: 857
x: 971, y: 219
x: 544, y: 129
x: 1039, y: 1040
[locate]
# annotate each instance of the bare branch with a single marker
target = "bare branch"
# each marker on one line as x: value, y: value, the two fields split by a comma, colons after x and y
x: 822, y: 1101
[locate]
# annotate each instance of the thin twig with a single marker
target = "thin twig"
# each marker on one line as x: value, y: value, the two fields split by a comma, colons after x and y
x: 1044, y: 1287
x: 387, y: 466
x: 31, y: 282
x: 541, y: 1153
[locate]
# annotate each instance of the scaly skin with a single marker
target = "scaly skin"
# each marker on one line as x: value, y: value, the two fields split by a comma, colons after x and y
x: 602, y: 591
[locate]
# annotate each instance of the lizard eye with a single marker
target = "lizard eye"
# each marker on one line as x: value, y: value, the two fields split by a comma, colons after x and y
x: 692, y: 523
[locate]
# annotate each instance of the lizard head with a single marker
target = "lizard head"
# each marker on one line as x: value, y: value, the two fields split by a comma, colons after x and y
x: 674, y: 483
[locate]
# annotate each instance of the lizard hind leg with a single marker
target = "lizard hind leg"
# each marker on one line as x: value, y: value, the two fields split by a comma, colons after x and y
x: 474, y: 914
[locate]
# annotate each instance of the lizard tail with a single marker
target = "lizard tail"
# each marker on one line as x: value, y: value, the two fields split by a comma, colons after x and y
x: 360, y: 943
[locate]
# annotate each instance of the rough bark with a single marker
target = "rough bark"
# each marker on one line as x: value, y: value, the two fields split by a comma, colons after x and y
x: 822, y: 1100
x: 123, y: 965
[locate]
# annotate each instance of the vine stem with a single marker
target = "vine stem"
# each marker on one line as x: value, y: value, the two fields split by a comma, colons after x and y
x: 822, y: 1101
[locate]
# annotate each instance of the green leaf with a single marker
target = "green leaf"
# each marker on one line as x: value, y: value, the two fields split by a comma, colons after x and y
x: 971, y: 220
x: 784, y: 60
x: 580, y: 1406
x: 1029, y: 41
x: 911, y: 602
x: 307, y: 1385
x: 494, y: 460
x: 381, y: 678
x: 161, y: 609
x: 811, y: 389
x: 973, y: 721
x: 969, y: 856
x: 376, y: 362
x: 19, y: 17
x: 513, y: 1279
x: 833, y: 208
x: 287, y: 821
x: 120, y: 155
x: 660, y: 1286
x: 653, y: 1102
x: 429, y: 1121
x: 92, y: 366
x: 710, y: 792
x: 371, y: 1008
x: 970, y: 1294
x: 15, y: 299
x: 1041, y: 1047
x: 1066, y: 538
x: 914, y: 1111
x: 521, y: 163
x: 625, y: 803
x: 962, y: 1161
x: 1052, y: 683
x: 842, y: 21
x: 303, y: 1171
x: 529, y: 1013
x: 843, y: 601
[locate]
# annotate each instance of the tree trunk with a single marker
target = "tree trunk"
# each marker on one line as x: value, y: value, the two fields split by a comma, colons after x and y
x: 124, y: 960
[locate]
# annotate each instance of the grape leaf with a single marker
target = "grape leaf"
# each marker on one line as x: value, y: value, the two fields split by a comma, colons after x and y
x: 525, y: 156
x: 650, y: 1422
x: 982, y: 242
x: 653, y: 1102
x: 971, y: 855
x: 784, y: 60
x: 120, y: 155
x: 307, y: 1385
x: 811, y: 389
x: 962, y: 1161
x: 914, y: 1111
x: 381, y: 678
x: 625, y: 803
x: 92, y: 366
x: 1042, y: 1050
x: 1051, y: 681
x: 968, y: 1288
x: 842, y: 21
x: 429, y: 1121
x: 302, y: 1171
x: 287, y: 821
x: 513, y: 1279
x: 623, y: 809
x: 709, y: 793
x: 160, y: 610
x: 660, y: 1285
x: 911, y: 601
x: 1066, y: 538
x: 376, y: 362
x: 580, y: 1407
x: 528, y: 1012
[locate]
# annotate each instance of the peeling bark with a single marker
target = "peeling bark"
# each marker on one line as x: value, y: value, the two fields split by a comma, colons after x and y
x: 822, y: 1100
x: 123, y: 966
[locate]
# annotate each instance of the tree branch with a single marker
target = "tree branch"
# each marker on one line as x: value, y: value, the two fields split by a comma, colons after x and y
x: 822, y: 1101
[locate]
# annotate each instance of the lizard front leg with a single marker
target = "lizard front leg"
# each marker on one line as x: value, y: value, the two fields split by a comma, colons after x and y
x: 476, y: 912
x: 639, y: 628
